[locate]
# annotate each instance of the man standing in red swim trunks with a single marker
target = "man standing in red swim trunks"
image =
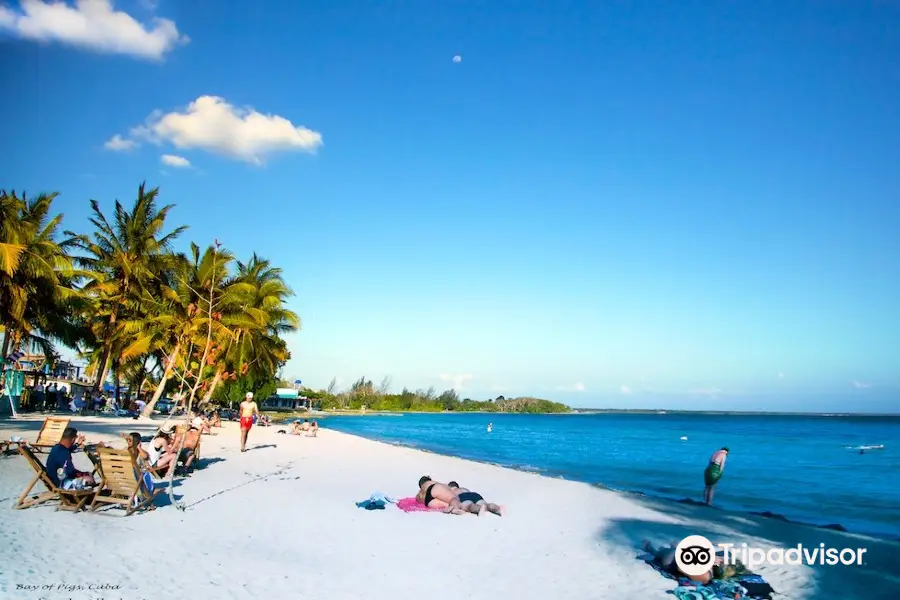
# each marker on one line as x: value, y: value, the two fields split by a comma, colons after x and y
x: 248, y: 409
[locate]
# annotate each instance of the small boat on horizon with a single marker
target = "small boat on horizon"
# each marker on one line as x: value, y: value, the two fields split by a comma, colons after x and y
x: 864, y: 448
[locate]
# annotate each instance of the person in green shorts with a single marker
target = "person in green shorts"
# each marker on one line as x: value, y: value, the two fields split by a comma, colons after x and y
x: 713, y: 472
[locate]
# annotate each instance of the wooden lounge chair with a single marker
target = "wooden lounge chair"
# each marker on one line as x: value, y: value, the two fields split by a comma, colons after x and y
x: 123, y: 481
x: 50, y: 433
x: 73, y: 500
x: 157, y: 472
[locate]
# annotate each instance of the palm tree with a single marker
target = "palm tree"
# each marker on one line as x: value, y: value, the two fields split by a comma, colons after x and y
x: 126, y: 259
x: 36, y: 275
x: 179, y: 317
x: 256, y: 318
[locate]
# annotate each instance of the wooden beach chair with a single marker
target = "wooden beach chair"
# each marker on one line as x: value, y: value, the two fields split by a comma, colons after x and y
x: 123, y: 482
x: 157, y: 472
x: 50, y: 433
x: 73, y: 500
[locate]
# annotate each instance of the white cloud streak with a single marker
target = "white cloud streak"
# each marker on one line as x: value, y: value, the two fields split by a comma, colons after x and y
x: 93, y: 25
x: 119, y: 144
x: 175, y: 161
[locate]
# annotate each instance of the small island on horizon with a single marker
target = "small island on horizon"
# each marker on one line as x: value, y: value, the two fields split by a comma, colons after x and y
x: 364, y: 396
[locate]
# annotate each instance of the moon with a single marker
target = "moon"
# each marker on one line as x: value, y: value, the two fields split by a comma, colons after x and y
x: 457, y: 58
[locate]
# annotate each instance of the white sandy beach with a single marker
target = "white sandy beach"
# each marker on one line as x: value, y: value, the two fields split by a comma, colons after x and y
x: 281, y: 521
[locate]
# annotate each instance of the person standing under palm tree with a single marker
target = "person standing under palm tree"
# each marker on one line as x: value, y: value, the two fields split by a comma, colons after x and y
x: 248, y: 410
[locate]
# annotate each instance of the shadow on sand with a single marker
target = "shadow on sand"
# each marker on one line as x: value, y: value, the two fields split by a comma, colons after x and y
x: 114, y: 426
x: 878, y: 576
x: 262, y: 446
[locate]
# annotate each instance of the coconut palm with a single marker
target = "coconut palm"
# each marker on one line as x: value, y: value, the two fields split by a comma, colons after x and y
x: 126, y: 259
x: 256, y: 317
x: 179, y: 319
x: 36, y: 274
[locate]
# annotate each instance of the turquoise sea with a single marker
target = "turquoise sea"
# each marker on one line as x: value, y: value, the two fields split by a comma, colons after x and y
x: 802, y: 467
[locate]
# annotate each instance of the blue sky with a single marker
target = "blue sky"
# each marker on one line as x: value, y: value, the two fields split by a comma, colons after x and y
x: 686, y: 204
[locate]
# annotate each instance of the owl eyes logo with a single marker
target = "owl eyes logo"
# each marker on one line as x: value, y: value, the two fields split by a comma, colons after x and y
x: 695, y: 555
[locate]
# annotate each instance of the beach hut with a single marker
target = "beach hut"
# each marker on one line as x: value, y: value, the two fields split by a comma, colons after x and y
x: 284, y: 399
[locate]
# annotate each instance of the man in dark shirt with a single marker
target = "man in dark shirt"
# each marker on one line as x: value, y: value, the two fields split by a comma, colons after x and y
x: 60, y: 467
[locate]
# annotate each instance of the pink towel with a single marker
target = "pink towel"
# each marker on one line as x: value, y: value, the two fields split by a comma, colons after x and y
x: 412, y: 505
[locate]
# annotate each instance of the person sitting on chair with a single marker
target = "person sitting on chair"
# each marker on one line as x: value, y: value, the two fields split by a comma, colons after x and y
x: 61, y: 469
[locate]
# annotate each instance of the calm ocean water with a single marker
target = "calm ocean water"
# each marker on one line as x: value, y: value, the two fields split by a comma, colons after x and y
x: 798, y: 466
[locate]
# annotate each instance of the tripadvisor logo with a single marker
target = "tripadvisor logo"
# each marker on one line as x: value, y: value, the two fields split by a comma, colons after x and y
x: 695, y: 555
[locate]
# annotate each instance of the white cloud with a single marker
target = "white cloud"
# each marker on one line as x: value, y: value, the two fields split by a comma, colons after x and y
x: 119, y: 144
x: 212, y: 124
x: 578, y: 386
x: 175, y: 161
x: 457, y: 381
x: 625, y: 389
x: 861, y: 385
x: 91, y: 24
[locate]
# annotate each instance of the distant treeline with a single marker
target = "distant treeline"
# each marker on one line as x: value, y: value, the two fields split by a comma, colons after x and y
x: 363, y: 394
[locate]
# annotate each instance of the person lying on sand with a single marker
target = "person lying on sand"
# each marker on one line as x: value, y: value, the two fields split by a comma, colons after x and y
x: 437, y: 495
x: 664, y: 556
x: 473, y: 502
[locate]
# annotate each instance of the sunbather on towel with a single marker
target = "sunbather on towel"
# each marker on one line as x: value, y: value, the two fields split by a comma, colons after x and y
x: 437, y: 495
x: 60, y: 467
x: 474, y: 502
x: 664, y: 556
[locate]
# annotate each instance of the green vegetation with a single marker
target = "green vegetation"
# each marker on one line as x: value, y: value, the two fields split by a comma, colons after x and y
x: 202, y: 323
x: 364, y: 395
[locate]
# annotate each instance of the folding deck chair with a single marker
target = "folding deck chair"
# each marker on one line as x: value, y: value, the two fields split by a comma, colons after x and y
x: 73, y: 500
x: 123, y: 482
x: 50, y: 433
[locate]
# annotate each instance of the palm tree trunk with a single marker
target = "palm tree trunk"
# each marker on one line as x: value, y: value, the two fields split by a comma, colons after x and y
x: 173, y: 358
x: 103, y: 367
x: 213, y: 385
x: 116, y: 382
x: 7, y: 338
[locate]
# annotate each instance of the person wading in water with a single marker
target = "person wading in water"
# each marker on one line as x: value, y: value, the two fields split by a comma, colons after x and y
x: 713, y: 473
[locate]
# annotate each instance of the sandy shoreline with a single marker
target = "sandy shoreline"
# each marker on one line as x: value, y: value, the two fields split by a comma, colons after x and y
x: 281, y: 520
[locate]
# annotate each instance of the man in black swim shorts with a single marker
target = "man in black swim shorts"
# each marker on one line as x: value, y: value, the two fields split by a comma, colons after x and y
x: 474, y: 502
x: 437, y: 495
